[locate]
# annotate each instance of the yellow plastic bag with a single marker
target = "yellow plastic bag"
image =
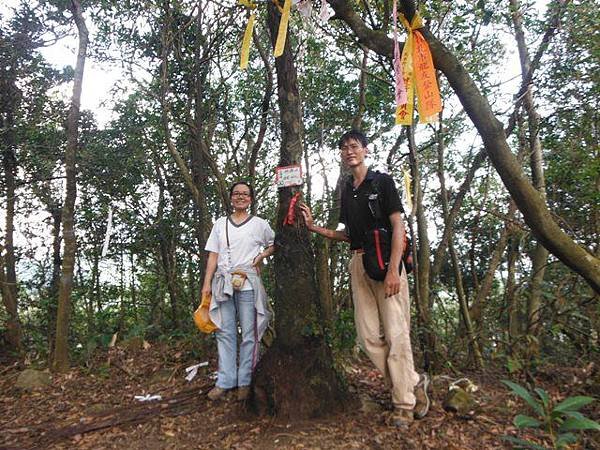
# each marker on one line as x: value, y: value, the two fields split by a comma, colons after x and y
x: 201, y: 317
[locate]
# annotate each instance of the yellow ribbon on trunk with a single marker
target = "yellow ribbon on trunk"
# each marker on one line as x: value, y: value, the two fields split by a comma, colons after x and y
x: 407, y: 189
x: 283, y: 27
x: 419, y: 73
x: 245, y: 51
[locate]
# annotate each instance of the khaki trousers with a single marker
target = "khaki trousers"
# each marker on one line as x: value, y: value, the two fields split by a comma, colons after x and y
x: 373, y: 313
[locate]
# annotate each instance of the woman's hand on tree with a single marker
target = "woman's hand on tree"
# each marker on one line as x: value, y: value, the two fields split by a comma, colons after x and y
x: 257, y: 262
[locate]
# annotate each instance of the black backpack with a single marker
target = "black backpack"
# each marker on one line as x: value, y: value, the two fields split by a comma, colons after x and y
x: 377, y: 242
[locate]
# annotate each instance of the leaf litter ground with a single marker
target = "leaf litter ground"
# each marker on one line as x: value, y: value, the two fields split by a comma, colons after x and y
x: 94, y: 408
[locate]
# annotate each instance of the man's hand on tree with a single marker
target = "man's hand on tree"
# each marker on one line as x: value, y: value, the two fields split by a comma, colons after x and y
x: 308, y: 218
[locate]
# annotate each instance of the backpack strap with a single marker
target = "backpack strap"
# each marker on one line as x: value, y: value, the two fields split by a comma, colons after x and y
x: 374, y: 202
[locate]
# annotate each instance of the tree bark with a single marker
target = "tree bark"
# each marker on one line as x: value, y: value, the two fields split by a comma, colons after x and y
x: 61, y: 350
x: 528, y: 200
x: 56, y: 212
x: 295, y: 378
x: 460, y: 291
x: 13, y: 334
x: 464, y: 308
x: 539, y: 255
x: 423, y: 257
x: 9, y: 282
x: 478, y: 305
x: 511, y: 299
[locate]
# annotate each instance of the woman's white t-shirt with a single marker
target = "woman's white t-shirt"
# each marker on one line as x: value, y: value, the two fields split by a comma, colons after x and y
x: 246, y: 241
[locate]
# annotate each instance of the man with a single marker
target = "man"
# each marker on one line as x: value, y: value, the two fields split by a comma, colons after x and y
x: 378, y: 304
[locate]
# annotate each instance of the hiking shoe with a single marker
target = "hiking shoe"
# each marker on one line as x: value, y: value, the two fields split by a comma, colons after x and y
x: 243, y: 392
x: 402, y: 418
x: 422, y: 399
x: 216, y: 393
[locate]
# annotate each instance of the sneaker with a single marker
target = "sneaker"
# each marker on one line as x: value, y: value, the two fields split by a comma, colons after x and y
x: 402, y: 418
x: 422, y: 399
x: 243, y: 392
x: 216, y: 393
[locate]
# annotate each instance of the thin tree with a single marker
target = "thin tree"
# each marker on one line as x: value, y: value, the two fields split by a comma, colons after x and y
x: 60, y: 361
x: 539, y: 256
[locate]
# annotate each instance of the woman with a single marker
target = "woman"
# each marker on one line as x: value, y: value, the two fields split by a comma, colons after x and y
x: 233, y: 278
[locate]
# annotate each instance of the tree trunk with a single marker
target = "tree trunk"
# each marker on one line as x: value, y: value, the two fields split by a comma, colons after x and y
x: 464, y: 308
x: 295, y: 378
x: 511, y: 299
x: 460, y: 291
x: 528, y: 200
x: 166, y: 248
x: 61, y: 351
x: 132, y: 288
x: 95, y: 295
x: 13, y: 335
x: 539, y: 255
x: 56, y: 212
x: 166, y: 49
x: 9, y: 282
x: 198, y: 133
x: 423, y: 254
x: 477, y: 307
x: 167, y: 254
x: 323, y: 274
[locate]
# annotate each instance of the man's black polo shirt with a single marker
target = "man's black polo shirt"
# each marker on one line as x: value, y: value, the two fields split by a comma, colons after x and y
x: 355, y: 212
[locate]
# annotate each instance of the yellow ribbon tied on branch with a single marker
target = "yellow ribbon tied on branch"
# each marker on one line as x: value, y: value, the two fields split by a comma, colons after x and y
x: 283, y: 27
x: 245, y: 51
x: 418, y: 72
x: 407, y: 189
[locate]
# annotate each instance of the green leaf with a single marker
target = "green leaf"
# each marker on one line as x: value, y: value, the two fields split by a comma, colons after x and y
x: 573, y: 414
x: 521, y: 443
x: 564, y: 439
x: 573, y: 403
x: 579, y: 424
x: 544, y: 396
x: 522, y: 421
x: 513, y: 365
x: 525, y: 395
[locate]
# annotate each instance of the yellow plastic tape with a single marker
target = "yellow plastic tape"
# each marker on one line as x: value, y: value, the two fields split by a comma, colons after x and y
x: 428, y: 92
x: 404, y: 113
x: 245, y: 52
x: 283, y: 27
x: 407, y: 189
x: 419, y: 74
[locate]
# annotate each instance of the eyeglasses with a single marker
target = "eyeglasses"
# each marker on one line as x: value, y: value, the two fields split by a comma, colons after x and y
x: 240, y: 194
x: 353, y: 147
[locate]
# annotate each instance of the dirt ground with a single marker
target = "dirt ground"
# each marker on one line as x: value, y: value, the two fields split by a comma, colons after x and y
x: 93, y: 407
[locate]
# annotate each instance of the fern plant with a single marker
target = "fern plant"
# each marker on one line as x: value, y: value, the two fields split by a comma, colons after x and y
x: 557, y: 421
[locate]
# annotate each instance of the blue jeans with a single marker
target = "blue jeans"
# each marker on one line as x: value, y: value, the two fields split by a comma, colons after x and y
x: 239, y: 307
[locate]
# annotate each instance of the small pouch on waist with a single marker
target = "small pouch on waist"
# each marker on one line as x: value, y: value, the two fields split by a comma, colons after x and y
x: 238, y: 278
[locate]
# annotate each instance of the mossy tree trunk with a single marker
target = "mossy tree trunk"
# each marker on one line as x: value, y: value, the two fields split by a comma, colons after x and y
x: 296, y: 377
